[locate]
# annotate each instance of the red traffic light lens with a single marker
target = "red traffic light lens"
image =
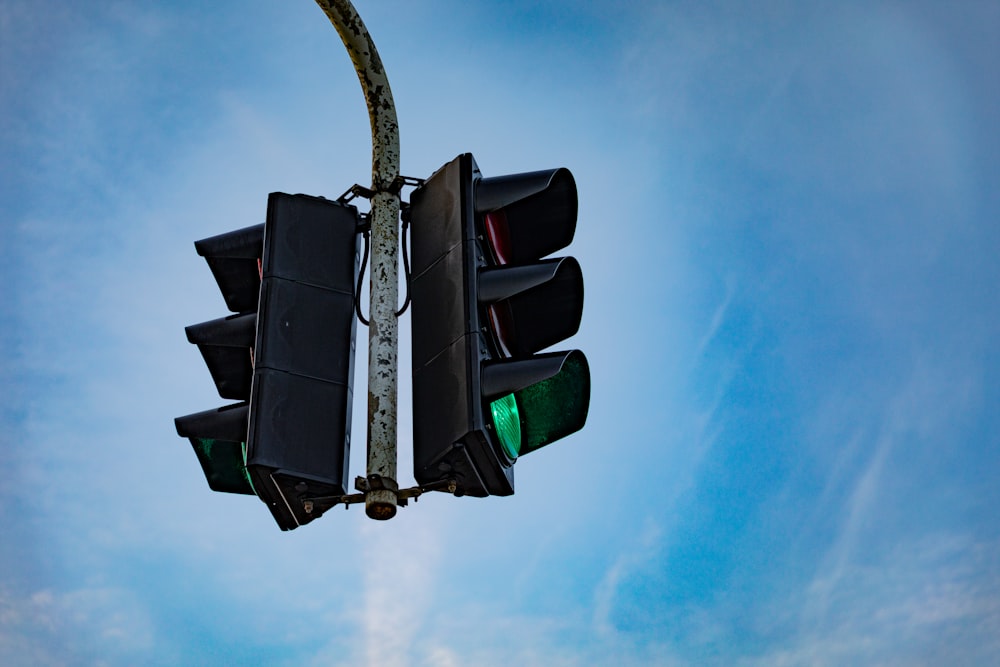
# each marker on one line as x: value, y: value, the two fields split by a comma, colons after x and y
x: 501, y: 320
x: 498, y: 235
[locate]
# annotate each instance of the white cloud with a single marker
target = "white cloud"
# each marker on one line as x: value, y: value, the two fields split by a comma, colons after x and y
x: 53, y: 627
x: 922, y: 602
x: 399, y: 565
x: 629, y: 561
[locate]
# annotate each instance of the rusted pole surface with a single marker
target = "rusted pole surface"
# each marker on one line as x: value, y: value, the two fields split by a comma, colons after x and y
x: 381, y: 492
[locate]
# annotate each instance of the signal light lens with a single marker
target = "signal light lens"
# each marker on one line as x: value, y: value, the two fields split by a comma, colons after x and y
x: 502, y: 326
x: 498, y: 235
x: 507, y: 424
x: 501, y: 319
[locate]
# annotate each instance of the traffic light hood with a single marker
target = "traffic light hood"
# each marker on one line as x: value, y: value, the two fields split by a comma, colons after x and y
x: 234, y: 258
x: 539, y: 208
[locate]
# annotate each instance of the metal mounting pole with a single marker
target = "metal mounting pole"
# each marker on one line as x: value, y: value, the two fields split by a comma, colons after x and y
x: 381, y: 488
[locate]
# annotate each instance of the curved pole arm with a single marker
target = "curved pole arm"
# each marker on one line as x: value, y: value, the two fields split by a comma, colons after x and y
x: 381, y: 492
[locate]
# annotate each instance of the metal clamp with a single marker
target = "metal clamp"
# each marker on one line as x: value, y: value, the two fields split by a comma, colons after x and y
x: 377, y: 483
x: 394, y: 188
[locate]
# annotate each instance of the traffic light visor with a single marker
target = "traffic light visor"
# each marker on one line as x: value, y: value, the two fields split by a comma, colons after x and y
x: 224, y: 464
x: 556, y: 407
x: 528, y: 216
x: 534, y: 306
x: 547, y: 396
x: 217, y: 437
x: 234, y: 258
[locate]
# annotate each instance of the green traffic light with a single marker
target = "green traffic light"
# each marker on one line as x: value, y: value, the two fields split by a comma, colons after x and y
x: 552, y: 401
x: 507, y: 422
x: 556, y: 407
x: 224, y: 463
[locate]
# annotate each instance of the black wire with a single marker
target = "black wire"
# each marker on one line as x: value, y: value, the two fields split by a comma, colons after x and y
x: 364, y: 264
x: 361, y: 277
x: 406, y: 263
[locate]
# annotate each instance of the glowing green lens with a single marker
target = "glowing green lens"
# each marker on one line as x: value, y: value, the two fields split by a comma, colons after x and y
x: 507, y: 423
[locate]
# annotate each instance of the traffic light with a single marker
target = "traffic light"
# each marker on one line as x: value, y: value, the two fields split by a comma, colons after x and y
x: 485, y: 304
x: 286, y: 354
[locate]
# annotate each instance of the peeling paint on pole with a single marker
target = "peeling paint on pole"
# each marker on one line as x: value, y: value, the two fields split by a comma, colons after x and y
x: 381, y: 495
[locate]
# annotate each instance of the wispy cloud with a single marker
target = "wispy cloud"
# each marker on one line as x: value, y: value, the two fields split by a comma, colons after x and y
x: 917, y: 416
x: 718, y: 317
x: 634, y: 556
x: 395, y: 599
x: 399, y: 564
x: 51, y: 627
x: 927, y: 601
x: 884, y: 589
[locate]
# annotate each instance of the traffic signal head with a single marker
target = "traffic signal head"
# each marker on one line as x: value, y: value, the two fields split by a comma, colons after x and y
x: 287, y: 354
x: 485, y: 304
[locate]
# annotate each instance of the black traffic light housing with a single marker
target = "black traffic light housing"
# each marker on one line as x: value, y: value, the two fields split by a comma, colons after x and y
x: 287, y: 354
x: 484, y: 304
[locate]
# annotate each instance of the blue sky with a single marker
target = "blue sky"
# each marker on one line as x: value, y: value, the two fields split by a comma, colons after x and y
x: 788, y: 230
